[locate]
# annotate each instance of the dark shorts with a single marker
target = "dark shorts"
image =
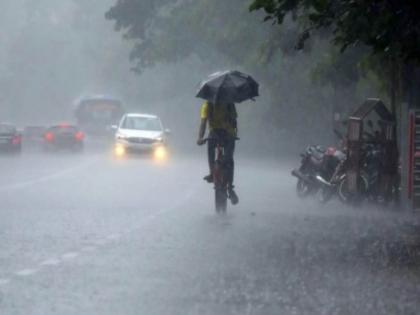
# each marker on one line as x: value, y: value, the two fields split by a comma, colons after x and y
x: 228, y: 143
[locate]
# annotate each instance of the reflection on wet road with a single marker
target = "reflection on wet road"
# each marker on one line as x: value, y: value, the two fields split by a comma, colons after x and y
x: 85, y: 234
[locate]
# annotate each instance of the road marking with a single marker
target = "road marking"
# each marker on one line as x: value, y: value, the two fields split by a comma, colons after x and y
x: 51, y: 262
x: 45, y: 178
x: 26, y: 272
x: 69, y: 255
x: 100, y: 242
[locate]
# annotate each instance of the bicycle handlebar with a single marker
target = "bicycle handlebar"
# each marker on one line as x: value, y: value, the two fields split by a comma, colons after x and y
x: 215, y: 138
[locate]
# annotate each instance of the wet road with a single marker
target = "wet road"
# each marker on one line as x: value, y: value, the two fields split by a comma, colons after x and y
x: 90, y: 235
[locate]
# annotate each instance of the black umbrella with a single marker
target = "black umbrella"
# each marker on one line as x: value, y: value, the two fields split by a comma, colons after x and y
x: 228, y: 87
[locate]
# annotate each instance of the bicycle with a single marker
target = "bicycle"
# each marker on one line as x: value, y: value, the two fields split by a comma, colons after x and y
x: 220, y: 179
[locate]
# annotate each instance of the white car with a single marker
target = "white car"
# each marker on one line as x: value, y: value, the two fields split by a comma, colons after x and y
x: 140, y: 133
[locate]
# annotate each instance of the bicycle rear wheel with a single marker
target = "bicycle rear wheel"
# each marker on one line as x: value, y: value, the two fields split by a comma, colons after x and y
x: 221, y: 200
x: 220, y: 189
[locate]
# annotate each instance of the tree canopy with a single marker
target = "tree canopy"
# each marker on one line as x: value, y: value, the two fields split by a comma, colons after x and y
x: 168, y: 32
x: 224, y: 34
x: 386, y: 26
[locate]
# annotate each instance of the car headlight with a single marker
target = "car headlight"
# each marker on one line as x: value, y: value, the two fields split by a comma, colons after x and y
x: 119, y: 150
x: 159, y: 139
x: 160, y: 153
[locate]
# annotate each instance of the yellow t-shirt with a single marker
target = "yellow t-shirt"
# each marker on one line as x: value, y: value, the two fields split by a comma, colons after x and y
x: 223, y: 117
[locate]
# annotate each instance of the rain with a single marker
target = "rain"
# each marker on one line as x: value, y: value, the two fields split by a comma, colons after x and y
x: 209, y: 157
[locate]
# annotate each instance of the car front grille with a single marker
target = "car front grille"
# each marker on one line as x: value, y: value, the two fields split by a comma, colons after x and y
x: 141, y: 140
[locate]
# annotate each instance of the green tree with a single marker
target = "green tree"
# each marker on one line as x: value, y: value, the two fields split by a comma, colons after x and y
x: 164, y: 32
x: 390, y: 28
x: 223, y: 34
x: 387, y: 26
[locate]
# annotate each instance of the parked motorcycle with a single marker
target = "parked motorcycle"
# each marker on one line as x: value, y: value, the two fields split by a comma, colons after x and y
x: 369, y: 177
x: 310, y: 165
x: 317, y: 163
x: 330, y: 181
x: 329, y: 171
x: 325, y: 172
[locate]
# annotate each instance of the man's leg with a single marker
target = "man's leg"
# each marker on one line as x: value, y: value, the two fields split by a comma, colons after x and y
x: 211, y: 149
x: 230, y: 166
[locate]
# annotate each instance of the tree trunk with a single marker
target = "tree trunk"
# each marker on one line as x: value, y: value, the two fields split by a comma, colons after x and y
x: 394, y: 85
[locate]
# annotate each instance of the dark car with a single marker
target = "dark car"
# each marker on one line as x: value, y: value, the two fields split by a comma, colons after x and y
x: 64, y: 137
x: 10, y: 139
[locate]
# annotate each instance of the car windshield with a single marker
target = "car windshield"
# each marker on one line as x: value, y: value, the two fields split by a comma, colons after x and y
x: 142, y: 123
x: 63, y: 129
x: 29, y: 131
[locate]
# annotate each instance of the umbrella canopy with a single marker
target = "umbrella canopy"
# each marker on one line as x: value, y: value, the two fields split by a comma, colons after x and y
x: 228, y: 87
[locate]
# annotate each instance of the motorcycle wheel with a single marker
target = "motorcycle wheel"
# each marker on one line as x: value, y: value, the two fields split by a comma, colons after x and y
x: 346, y: 196
x: 303, y: 189
x: 326, y: 195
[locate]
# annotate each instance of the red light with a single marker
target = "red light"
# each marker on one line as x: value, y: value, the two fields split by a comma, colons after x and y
x: 49, y: 136
x: 79, y: 136
x: 16, y: 140
x: 64, y: 125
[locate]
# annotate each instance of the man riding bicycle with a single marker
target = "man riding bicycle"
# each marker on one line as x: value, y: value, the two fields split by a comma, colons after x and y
x: 222, y: 121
